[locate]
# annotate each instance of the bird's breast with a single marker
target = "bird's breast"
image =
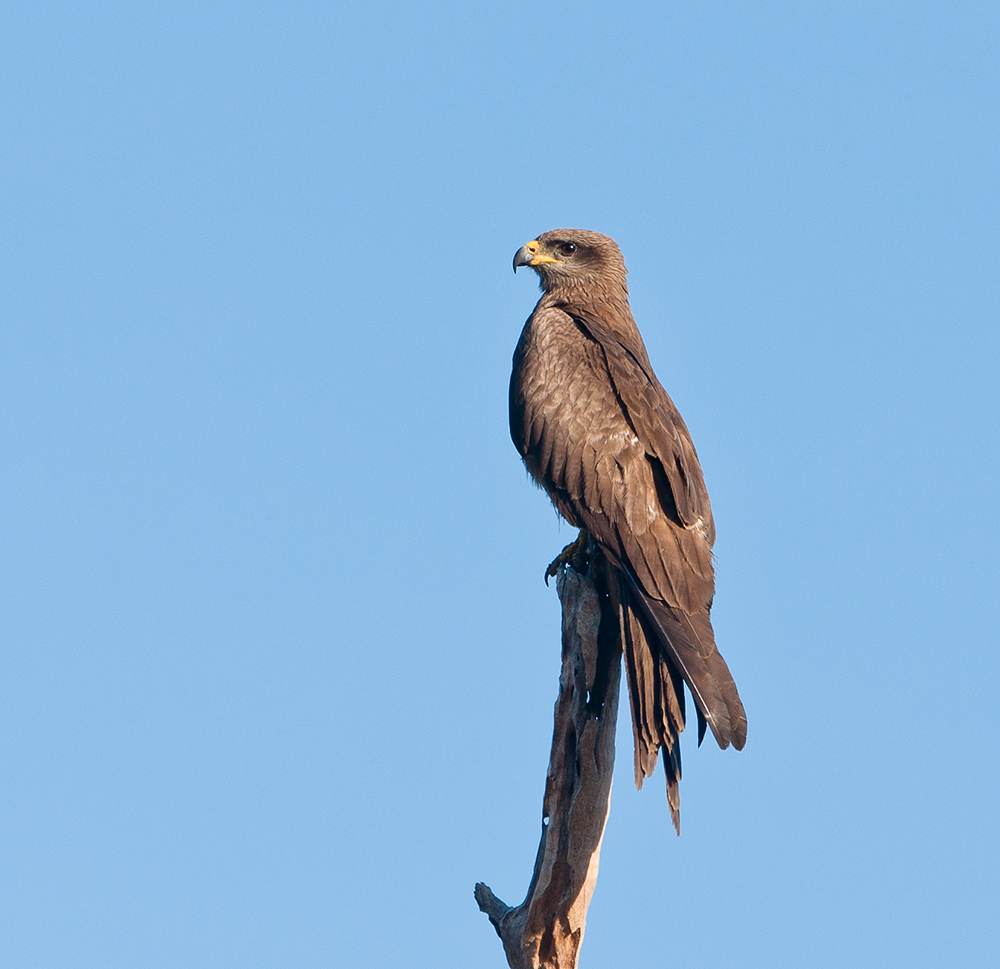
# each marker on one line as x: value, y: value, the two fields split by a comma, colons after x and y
x: 555, y: 359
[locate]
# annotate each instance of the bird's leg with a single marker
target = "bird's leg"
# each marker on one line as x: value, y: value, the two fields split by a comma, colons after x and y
x: 576, y: 554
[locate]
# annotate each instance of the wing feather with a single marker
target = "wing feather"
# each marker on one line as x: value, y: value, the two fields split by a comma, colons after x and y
x: 599, y: 432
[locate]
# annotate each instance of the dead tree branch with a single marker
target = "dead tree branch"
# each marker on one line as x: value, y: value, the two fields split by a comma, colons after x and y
x: 545, y: 931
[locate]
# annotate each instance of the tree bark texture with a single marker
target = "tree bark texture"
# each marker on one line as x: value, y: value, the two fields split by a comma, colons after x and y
x: 546, y: 930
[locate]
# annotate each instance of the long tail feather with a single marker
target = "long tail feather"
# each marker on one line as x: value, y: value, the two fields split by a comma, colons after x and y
x: 690, y: 642
x: 664, y: 649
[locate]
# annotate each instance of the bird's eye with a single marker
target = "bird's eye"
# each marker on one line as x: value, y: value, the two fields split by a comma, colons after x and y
x: 568, y: 247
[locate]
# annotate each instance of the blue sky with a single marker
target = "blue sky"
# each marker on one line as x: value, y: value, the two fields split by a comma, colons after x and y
x: 280, y: 665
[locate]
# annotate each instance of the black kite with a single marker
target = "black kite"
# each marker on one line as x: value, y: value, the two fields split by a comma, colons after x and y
x: 598, y: 432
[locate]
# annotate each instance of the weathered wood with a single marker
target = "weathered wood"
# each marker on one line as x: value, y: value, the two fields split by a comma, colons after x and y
x: 546, y: 930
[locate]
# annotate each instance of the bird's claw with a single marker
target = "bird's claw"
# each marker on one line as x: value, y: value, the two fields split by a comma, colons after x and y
x: 576, y: 555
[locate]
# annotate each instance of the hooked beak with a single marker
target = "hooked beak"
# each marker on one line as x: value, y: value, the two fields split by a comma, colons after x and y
x: 529, y: 255
x: 524, y: 255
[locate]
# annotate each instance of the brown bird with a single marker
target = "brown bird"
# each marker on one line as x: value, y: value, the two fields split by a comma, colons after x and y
x: 598, y: 432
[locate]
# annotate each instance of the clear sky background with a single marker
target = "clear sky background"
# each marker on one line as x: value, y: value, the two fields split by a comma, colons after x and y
x: 279, y: 664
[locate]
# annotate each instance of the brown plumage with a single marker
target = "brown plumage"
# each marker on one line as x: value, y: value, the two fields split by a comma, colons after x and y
x: 598, y: 432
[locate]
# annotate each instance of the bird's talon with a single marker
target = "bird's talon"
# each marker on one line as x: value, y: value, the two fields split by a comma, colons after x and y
x: 575, y: 554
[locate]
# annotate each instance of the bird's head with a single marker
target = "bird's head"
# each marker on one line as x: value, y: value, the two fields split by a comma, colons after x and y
x: 568, y: 258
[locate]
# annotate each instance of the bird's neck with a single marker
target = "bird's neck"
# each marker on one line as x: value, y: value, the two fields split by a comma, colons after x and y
x: 605, y: 299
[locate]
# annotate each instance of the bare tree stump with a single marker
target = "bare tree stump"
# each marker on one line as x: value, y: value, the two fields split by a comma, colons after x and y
x: 546, y: 930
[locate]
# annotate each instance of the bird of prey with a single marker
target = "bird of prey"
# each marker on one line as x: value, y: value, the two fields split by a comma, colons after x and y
x: 598, y: 432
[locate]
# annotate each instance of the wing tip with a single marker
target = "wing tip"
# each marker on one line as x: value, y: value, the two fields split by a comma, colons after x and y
x: 740, y: 736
